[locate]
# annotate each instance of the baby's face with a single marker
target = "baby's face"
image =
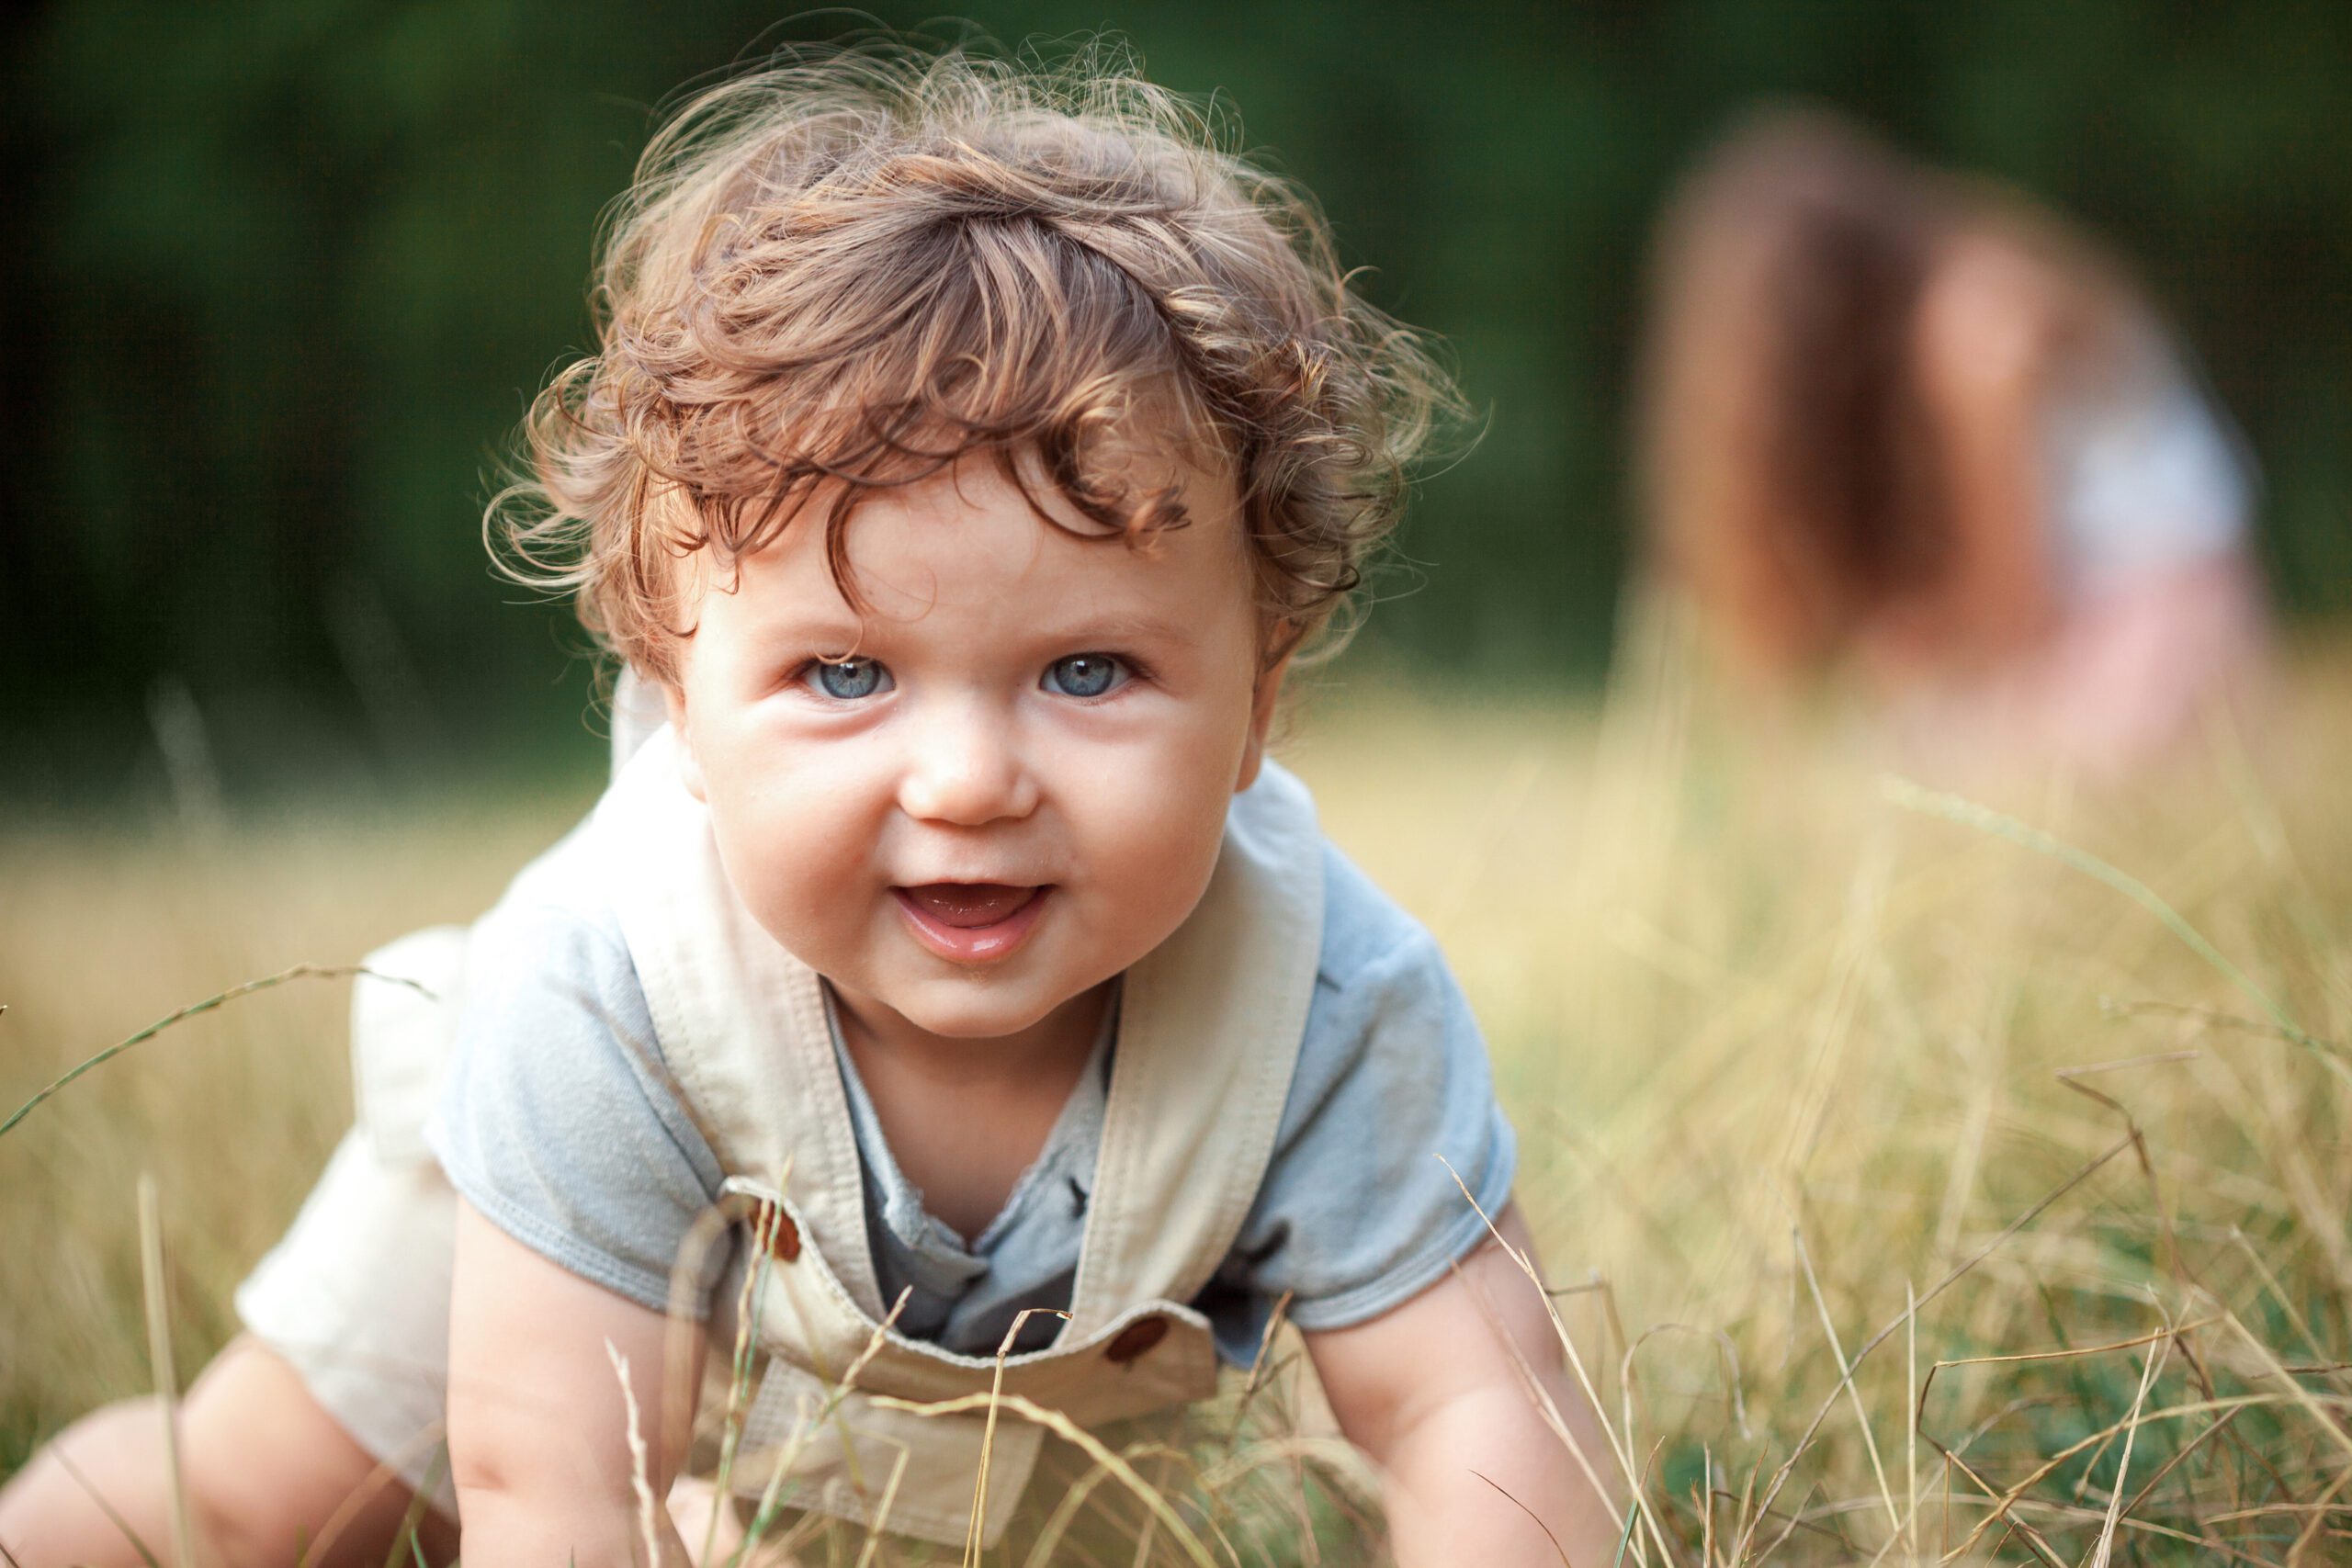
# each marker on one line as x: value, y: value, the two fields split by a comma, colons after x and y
x: 1016, y: 787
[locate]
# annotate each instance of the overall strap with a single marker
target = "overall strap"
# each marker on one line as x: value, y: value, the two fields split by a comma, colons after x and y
x: 1209, y: 1032
x: 741, y: 1021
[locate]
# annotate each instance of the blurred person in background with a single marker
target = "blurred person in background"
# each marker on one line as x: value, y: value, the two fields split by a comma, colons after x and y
x: 1914, y: 429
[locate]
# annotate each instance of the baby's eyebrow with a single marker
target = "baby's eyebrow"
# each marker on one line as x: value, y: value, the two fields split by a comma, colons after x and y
x: 1115, y: 628
x: 832, y: 632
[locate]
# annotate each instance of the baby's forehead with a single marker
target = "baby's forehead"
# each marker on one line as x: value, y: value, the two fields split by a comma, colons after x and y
x: 1004, y: 527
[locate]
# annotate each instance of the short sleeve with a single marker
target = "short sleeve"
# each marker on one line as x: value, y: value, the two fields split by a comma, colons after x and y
x: 559, y: 1121
x: 1359, y: 1210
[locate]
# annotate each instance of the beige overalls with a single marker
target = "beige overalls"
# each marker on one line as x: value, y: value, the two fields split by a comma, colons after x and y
x: 1208, y: 1034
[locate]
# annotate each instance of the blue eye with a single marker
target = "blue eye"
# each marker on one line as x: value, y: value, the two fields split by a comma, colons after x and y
x: 1085, y: 675
x: 848, y: 680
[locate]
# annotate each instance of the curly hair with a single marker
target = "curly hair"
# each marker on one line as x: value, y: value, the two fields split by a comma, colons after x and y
x: 848, y: 271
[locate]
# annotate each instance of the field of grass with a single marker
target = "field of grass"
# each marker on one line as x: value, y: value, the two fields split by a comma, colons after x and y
x: 1790, y: 1050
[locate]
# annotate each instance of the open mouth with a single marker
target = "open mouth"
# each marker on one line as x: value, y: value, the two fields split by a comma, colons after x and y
x: 972, y: 922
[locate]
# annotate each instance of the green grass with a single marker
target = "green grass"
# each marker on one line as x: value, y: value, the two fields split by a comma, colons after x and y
x: 1789, y: 1050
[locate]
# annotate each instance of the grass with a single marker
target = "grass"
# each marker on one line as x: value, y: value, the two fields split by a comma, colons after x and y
x: 1923, y: 1178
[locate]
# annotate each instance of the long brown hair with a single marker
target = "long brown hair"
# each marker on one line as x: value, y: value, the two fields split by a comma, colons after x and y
x: 1792, y: 466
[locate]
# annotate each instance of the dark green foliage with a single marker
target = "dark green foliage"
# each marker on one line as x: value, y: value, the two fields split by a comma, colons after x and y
x: 280, y: 278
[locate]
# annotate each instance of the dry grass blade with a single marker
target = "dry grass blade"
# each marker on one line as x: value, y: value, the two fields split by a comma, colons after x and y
x: 2303, y: 1395
x: 873, y: 1537
x: 1780, y: 1477
x: 1845, y: 1381
x: 74, y: 1473
x: 387, y: 1473
x: 1563, y: 1552
x: 640, y: 1462
x: 763, y: 1515
x: 2004, y: 1501
x: 1260, y: 1369
x: 1958, y: 808
x: 2070, y: 1352
x: 1064, y: 1514
x: 1727, y: 1354
x: 405, y: 1536
x: 2106, y: 1547
x: 159, y: 1352
x: 1071, y: 1431
x: 2310, y: 1533
x: 299, y: 972
x: 2004, y: 1516
x: 2179, y: 1458
x: 1911, y: 1414
x: 682, y: 1348
x: 988, y: 1432
x: 1584, y: 1382
x: 2324, y: 1367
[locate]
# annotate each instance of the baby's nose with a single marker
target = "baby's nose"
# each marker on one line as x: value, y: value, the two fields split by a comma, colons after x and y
x: 966, y: 768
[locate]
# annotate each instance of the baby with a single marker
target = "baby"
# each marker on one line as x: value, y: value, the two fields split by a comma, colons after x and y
x: 948, y: 1006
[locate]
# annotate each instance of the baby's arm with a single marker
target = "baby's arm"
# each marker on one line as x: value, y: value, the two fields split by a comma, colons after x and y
x: 538, y: 1431
x: 1433, y: 1393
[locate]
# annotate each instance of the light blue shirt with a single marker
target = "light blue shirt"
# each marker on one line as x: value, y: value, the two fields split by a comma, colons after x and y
x: 2145, y: 476
x: 562, y: 1124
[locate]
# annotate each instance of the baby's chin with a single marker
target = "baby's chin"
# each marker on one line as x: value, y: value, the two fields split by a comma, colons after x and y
x: 977, y: 1008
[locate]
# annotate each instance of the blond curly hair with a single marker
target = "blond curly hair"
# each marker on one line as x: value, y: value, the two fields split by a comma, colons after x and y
x: 851, y: 270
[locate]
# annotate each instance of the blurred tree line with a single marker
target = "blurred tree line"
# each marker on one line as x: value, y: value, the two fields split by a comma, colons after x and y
x: 280, y: 277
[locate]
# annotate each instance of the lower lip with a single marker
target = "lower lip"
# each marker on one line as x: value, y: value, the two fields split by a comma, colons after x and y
x: 973, y: 944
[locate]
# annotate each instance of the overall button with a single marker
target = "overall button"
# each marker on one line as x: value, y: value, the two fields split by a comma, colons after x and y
x: 1135, y: 1339
x: 777, y: 1233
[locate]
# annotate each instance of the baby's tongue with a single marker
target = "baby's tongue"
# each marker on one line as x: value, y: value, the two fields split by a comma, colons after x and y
x: 967, y: 904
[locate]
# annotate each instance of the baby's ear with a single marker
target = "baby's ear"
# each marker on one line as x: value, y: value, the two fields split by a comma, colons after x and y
x: 673, y: 699
x: 1263, y: 702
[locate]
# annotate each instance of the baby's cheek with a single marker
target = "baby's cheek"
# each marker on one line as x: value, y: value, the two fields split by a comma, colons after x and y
x: 793, y: 886
x: 1157, y: 855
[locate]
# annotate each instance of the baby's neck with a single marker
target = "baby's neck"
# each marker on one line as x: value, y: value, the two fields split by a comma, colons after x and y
x: 1054, y: 1048
x: 964, y: 1118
